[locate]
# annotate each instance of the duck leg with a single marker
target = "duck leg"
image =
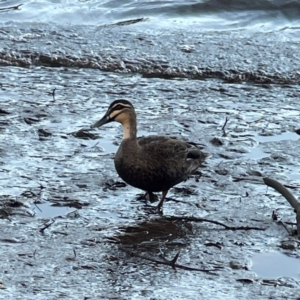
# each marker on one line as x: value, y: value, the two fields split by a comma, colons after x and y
x: 149, y: 196
x: 161, y: 202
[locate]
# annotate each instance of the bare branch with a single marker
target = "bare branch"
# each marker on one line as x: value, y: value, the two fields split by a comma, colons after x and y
x: 288, y: 196
x: 171, y: 263
x: 283, y: 191
x: 195, y: 219
x: 284, y: 226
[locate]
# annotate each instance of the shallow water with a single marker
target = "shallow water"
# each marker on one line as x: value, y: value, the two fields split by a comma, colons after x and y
x: 46, y: 210
x: 200, y: 15
x: 258, y: 153
x: 285, y: 136
x: 275, y: 265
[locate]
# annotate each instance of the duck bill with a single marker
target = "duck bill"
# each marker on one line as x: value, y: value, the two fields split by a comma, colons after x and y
x: 101, y: 122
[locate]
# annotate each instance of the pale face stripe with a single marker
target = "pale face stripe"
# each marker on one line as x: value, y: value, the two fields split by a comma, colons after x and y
x: 122, y: 104
x: 116, y: 112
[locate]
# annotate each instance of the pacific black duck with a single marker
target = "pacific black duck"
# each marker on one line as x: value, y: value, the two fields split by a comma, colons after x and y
x: 152, y: 163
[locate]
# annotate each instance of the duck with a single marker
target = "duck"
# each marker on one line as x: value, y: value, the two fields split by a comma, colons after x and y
x: 153, y: 163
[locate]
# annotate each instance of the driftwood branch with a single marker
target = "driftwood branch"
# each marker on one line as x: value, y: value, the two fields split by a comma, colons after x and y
x: 166, y: 262
x: 227, y: 227
x: 288, y: 196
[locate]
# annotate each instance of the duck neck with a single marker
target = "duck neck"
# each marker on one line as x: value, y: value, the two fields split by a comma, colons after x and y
x: 129, y: 129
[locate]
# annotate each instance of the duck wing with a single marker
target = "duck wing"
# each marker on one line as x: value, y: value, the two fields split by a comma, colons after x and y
x: 172, y: 153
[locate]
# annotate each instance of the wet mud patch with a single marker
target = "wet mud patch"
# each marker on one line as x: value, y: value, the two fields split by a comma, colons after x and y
x: 78, y: 250
x: 154, y: 234
x: 10, y: 206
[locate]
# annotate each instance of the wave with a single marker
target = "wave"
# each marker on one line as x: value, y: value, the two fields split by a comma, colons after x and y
x: 218, y: 14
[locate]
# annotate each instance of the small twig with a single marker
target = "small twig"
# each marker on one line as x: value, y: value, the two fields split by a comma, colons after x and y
x: 53, y: 94
x: 223, y: 127
x: 284, y: 226
x: 291, y: 186
x: 46, y: 226
x: 288, y: 196
x: 195, y: 219
x: 11, y: 7
x: 274, y: 216
x: 171, y: 263
x: 174, y: 260
x: 60, y: 232
x: 178, y: 201
x: 95, y: 145
x: 291, y: 223
x: 37, y: 206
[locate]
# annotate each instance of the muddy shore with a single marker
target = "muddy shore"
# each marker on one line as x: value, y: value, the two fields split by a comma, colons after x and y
x: 70, y: 229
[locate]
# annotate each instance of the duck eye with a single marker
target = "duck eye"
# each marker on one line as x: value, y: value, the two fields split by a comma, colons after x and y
x: 118, y: 107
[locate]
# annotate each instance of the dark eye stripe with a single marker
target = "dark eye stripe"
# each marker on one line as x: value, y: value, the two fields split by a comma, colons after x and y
x: 119, y: 107
x: 122, y: 102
